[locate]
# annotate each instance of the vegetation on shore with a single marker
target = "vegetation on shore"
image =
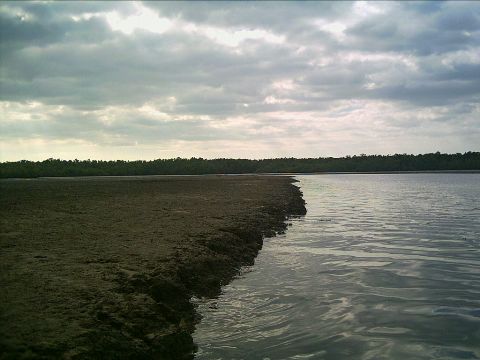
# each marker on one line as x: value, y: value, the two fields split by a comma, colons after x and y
x: 195, y: 166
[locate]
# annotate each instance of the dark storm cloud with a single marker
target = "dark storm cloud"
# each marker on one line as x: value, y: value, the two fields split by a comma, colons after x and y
x: 39, y: 24
x: 450, y: 27
x: 277, y: 15
x: 459, y: 17
x: 466, y: 72
x: 437, y: 94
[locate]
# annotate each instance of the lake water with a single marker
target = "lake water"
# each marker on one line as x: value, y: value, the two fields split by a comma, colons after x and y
x: 381, y: 267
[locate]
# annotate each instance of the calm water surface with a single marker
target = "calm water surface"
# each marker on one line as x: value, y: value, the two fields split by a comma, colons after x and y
x: 382, y: 267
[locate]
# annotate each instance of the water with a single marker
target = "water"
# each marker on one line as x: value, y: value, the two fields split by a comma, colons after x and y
x: 382, y: 267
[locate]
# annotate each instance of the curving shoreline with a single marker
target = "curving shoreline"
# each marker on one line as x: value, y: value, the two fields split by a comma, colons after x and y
x: 106, y: 268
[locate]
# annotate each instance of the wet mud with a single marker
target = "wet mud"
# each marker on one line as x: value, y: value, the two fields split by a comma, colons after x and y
x: 105, y: 268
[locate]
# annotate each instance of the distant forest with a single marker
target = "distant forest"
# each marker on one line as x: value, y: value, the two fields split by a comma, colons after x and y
x: 194, y: 166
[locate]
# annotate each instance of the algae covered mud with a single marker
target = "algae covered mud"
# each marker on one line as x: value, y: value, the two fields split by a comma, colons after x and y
x: 105, y: 267
x: 381, y: 267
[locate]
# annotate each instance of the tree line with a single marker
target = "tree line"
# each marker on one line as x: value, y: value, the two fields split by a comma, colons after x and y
x: 195, y: 166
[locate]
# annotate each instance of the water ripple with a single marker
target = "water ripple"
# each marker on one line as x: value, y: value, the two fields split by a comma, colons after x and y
x: 382, y: 267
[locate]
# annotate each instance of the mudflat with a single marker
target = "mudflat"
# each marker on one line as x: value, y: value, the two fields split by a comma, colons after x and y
x: 106, y: 267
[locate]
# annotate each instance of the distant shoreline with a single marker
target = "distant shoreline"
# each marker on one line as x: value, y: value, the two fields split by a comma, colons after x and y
x: 405, y: 172
x: 362, y: 164
x: 120, y: 177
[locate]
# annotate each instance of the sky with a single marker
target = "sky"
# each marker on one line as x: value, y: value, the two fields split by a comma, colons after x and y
x: 133, y: 80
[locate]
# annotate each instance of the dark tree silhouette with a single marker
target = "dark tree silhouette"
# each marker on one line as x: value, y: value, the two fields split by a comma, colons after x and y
x: 194, y: 166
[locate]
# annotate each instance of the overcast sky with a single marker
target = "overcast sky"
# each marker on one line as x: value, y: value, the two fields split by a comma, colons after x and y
x: 240, y: 79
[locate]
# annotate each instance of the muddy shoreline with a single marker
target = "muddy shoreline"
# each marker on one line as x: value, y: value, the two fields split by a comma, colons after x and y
x: 105, y: 268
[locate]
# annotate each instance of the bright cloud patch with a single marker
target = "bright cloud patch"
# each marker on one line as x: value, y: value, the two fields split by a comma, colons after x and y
x: 143, y: 19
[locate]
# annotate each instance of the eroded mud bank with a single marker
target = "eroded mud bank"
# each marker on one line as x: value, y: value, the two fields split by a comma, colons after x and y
x: 105, y: 268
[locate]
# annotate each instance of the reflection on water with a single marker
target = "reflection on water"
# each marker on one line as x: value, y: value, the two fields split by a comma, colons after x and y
x: 382, y: 267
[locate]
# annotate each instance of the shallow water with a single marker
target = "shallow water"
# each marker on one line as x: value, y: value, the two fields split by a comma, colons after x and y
x: 381, y: 267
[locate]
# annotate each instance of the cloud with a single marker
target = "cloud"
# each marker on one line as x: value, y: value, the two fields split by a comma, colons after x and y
x: 299, y: 78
